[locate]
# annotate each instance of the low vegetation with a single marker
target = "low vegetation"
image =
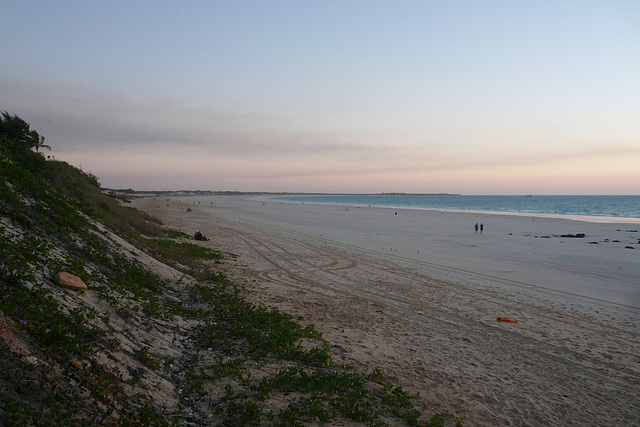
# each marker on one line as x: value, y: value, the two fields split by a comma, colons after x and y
x: 141, y: 347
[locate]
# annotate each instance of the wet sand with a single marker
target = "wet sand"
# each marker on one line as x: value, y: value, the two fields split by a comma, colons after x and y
x: 418, y: 294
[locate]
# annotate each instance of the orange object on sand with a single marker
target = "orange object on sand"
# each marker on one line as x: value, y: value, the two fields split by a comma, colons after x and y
x: 504, y: 319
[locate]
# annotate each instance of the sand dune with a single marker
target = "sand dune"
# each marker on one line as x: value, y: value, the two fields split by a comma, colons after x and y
x: 417, y: 294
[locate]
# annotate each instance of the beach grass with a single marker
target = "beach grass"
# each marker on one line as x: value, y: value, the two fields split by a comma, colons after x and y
x: 240, y: 356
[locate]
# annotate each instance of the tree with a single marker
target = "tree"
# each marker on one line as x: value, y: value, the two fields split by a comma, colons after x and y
x: 37, y: 141
x: 18, y: 131
x: 14, y: 128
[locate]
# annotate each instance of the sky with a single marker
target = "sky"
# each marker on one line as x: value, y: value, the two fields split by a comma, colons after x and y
x: 469, y: 97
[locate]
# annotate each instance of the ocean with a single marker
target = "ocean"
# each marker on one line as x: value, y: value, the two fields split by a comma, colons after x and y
x: 602, y: 207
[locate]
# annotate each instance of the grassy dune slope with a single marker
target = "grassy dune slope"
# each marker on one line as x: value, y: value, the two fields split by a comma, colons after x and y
x: 159, y: 337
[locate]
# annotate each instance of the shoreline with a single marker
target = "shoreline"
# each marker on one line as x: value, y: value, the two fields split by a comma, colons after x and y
x: 584, y: 268
x: 418, y: 295
x: 572, y: 217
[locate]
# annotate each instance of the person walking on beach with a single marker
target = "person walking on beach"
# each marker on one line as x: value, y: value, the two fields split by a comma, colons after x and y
x: 481, y: 228
x: 476, y: 228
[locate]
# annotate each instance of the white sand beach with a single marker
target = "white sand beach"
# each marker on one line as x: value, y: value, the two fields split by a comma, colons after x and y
x: 418, y: 294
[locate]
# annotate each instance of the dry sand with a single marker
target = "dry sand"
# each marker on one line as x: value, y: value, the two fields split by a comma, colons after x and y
x: 417, y: 294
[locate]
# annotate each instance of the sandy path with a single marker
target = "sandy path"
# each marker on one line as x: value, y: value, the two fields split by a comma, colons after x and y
x: 573, y: 358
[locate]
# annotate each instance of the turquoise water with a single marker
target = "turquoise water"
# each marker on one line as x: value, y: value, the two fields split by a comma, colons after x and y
x: 598, y: 206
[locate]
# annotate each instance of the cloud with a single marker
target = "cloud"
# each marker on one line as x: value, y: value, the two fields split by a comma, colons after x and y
x: 76, y: 118
x: 135, y: 140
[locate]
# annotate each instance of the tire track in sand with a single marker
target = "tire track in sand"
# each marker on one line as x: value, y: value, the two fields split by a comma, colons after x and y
x: 433, y: 337
x: 538, y: 362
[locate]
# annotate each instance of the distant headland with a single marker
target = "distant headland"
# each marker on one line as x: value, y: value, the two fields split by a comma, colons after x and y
x: 259, y: 193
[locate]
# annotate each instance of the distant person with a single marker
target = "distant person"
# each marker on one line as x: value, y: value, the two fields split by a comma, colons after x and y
x: 481, y: 228
x: 200, y: 236
x: 476, y: 227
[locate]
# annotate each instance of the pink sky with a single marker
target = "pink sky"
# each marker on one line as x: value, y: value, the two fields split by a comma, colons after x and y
x: 471, y: 97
